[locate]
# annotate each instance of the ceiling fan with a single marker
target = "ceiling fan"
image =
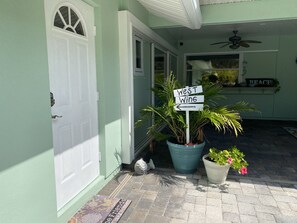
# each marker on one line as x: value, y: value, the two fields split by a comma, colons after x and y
x: 236, y: 41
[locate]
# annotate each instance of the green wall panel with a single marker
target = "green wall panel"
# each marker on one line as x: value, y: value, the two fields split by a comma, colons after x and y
x: 260, y: 64
x: 144, y: 16
x: 107, y: 50
x: 136, y: 9
x: 28, y: 192
x: 27, y: 188
x: 250, y: 11
x: 285, y: 99
x: 264, y: 104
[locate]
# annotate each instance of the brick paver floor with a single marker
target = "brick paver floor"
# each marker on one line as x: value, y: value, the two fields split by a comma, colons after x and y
x: 267, y: 194
x: 165, y: 196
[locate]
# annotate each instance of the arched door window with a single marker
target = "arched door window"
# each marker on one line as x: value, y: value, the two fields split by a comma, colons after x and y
x: 67, y: 19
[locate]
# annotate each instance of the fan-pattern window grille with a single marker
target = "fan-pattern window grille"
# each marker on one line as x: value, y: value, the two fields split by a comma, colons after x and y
x: 67, y: 19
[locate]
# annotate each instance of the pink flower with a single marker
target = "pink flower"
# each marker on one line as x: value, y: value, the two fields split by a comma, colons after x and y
x: 243, y: 170
x: 229, y: 160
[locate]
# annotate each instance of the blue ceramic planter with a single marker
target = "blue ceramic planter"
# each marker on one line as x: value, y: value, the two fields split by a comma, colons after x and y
x: 185, y: 158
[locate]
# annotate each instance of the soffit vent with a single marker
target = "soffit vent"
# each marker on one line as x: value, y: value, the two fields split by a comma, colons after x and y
x: 211, y: 2
x: 184, y: 12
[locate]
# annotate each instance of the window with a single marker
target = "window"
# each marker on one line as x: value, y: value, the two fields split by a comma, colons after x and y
x: 67, y: 19
x: 223, y: 68
x: 173, y: 64
x: 138, y: 55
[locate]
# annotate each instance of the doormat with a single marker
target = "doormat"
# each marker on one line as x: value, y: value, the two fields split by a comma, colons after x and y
x: 101, y: 209
x: 292, y: 131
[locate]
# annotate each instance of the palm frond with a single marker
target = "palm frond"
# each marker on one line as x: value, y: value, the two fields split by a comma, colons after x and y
x: 223, y: 118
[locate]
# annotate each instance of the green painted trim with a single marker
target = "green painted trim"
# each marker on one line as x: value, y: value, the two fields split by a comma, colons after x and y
x: 67, y: 212
x: 136, y: 9
x: 158, y: 22
x: 253, y: 11
x: 91, y: 3
x: 241, y: 12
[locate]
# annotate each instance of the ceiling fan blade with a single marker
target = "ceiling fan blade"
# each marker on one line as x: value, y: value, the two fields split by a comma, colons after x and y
x: 225, y: 45
x: 244, y: 44
x: 251, y: 41
x: 219, y: 43
x: 236, y: 42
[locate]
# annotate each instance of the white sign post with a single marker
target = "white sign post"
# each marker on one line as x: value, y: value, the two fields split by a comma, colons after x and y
x: 187, y: 103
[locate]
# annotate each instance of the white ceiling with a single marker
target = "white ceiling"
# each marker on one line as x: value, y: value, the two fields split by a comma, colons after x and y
x: 184, y: 12
x: 245, y: 29
x: 176, y: 10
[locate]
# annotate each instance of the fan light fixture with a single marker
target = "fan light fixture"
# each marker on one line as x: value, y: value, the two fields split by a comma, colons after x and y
x: 236, y: 42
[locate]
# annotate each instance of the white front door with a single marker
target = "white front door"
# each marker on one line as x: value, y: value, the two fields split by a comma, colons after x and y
x: 71, y: 54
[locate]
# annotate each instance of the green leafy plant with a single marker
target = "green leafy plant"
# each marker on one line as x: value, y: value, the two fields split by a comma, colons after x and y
x: 276, y: 85
x: 232, y: 156
x: 223, y: 118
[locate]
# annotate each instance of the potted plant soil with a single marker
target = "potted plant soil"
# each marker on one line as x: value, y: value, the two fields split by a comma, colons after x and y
x: 186, y: 156
x: 218, y: 162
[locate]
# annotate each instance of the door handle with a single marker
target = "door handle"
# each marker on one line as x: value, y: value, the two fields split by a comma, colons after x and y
x: 53, y: 101
x: 56, y: 116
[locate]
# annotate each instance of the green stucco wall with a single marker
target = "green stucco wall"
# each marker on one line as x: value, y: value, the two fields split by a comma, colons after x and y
x: 136, y: 8
x: 285, y: 103
x: 27, y: 187
x: 250, y: 11
x: 107, y: 48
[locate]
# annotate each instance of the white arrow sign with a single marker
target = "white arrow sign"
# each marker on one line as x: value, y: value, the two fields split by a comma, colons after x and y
x: 187, y: 91
x: 189, y: 99
x: 184, y: 103
x: 188, y: 107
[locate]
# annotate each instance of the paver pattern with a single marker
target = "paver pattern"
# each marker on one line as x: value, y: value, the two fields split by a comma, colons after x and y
x: 165, y: 196
x: 267, y: 194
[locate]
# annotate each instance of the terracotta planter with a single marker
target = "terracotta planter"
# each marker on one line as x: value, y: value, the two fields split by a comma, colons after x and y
x: 216, y: 173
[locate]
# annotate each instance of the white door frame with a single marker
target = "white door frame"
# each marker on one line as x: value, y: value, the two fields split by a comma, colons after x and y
x: 76, y: 164
x: 127, y: 23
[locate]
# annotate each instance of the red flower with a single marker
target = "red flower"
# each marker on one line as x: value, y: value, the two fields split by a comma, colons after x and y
x: 243, y: 170
x: 229, y: 160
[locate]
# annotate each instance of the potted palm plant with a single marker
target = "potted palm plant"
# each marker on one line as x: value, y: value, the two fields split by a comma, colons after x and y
x: 186, y: 156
